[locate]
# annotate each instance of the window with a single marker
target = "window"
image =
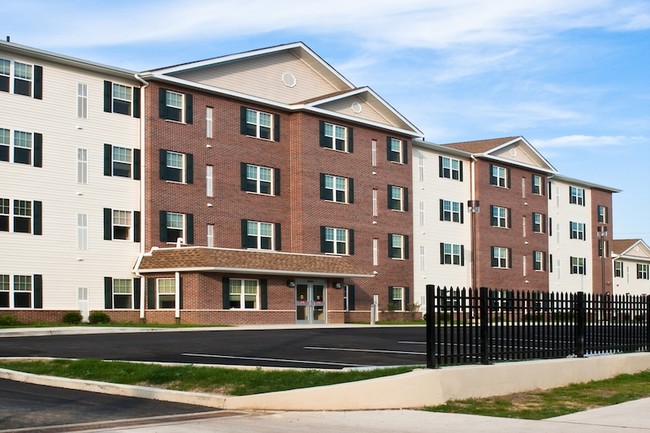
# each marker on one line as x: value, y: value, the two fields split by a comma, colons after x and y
x: 27, y: 147
x: 539, y: 222
x: 209, y: 122
x: 123, y: 293
x: 421, y: 168
x: 120, y: 161
x: 82, y: 101
x: 500, y: 217
x: 27, y: 79
x: 209, y: 181
x: 176, y: 166
x: 121, y: 225
x: 21, y: 216
x: 82, y: 166
x: 22, y: 147
x: 176, y: 225
x: 537, y: 184
x: 618, y: 269
x: 576, y: 195
x: 260, y: 235
x: 576, y: 230
x: 166, y: 293
x: 21, y: 291
x: 499, y: 176
x: 335, y: 137
x: 337, y: 240
x: 603, y: 214
x: 336, y: 188
x: 244, y: 294
x: 579, y: 265
x: 5, y: 144
x: 397, y: 198
x: 398, y: 246
x: 375, y: 252
x: 260, y: 124
x: 501, y: 257
x: 452, y: 254
x: 82, y: 231
x: 539, y: 261
x: 375, y: 202
x: 451, y: 211
x: 210, y: 235
x: 174, y: 106
x: 397, y: 298
x: 450, y: 168
x: 373, y: 153
x: 122, y: 99
x: 396, y: 150
x: 4, y: 289
x: 642, y: 272
x: 260, y: 180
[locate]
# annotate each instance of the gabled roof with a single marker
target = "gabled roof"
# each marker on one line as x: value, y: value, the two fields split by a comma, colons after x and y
x: 514, y: 150
x: 205, y: 259
x: 635, y: 249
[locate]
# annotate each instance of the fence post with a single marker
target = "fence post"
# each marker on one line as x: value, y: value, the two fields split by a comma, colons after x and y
x: 580, y: 324
x: 431, y: 356
x: 484, y: 322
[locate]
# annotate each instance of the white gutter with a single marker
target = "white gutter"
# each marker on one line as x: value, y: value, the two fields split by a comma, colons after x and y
x: 256, y: 271
x: 142, y: 194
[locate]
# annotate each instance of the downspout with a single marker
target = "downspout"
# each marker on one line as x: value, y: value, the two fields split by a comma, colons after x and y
x: 143, y: 177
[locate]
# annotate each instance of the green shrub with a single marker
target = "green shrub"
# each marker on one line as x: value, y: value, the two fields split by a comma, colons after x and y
x: 98, y: 317
x: 72, y: 318
x: 9, y: 321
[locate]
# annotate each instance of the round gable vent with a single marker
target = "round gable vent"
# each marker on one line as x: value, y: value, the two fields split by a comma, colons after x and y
x: 356, y: 107
x: 289, y: 79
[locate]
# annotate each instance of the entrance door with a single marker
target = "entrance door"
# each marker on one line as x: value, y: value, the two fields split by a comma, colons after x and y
x: 310, y: 302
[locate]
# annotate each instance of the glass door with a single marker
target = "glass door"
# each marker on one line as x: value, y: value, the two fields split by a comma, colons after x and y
x: 310, y: 302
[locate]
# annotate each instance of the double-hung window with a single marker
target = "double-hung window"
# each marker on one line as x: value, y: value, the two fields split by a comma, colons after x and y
x: 579, y: 265
x: 539, y: 261
x: 21, y: 291
x: 537, y: 184
x: 396, y: 150
x: 22, y: 79
x: 174, y: 225
x: 603, y: 214
x: 5, y: 214
x: 175, y: 106
x: 244, y: 294
x: 451, y: 211
x: 337, y: 240
x: 259, y: 124
x: 576, y: 195
x: 397, y: 298
x: 22, y: 216
x: 5, y: 75
x: 539, y: 222
x: 260, y: 235
x: 166, y: 293
x: 121, y: 225
x: 27, y: 147
x: 618, y: 269
x: 259, y: 179
x: 122, y: 293
x: 642, y: 271
x: 22, y: 147
x: 335, y: 137
x: 450, y: 168
x: 577, y: 230
x: 27, y: 79
x: 499, y: 176
x: 176, y: 166
x: 452, y: 254
x: 501, y: 257
x: 397, y: 198
x: 122, y: 99
x: 398, y: 246
x: 336, y: 188
x: 5, y: 144
x: 500, y: 217
x: 120, y: 161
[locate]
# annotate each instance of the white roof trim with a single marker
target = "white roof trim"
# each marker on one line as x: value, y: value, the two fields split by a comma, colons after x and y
x: 530, y: 146
x: 254, y: 271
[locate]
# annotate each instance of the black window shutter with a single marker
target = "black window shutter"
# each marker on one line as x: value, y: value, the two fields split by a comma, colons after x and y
x: 350, y: 139
x: 180, y: 292
x: 108, y: 97
x: 163, y: 226
x: 462, y: 255
x: 351, y: 297
x: 162, y: 103
x: 493, y: 179
x: 390, y: 294
x: 38, y: 291
x: 189, y: 231
x: 407, y: 297
x: 244, y: 233
x: 405, y: 153
x: 407, y: 247
x: 189, y: 162
x: 136, y: 226
x: 321, y: 134
x: 151, y: 293
x: 38, y: 218
x: 462, y: 213
x: 276, y: 127
x: 276, y: 179
x: 323, y: 244
x: 38, y: 82
x: 350, y: 190
x: 136, y: 164
x: 163, y: 164
x: 108, y: 293
x: 38, y: 150
x: 389, y: 196
x: 189, y: 109
x: 509, y: 257
x: 242, y: 120
x: 136, y: 293
x: 278, y: 237
x: 351, y: 242
x: 108, y: 224
x: 389, y: 152
x: 442, y: 210
x: 442, y: 253
x: 243, y: 176
x: 406, y: 199
x: 508, y: 177
x: 136, y: 102
x: 509, y: 214
x: 460, y: 165
x: 108, y: 160
x: 439, y: 166
x: 495, y: 262
x: 323, y: 191
x: 264, y: 303
x: 225, y: 292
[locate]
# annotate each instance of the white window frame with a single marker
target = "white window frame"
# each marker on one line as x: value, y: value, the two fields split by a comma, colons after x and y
x: 209, y: 122
x: 337, y: 137
x: 209, y: 181
x: 123, y: 156
x: 245, y: 290
x: 451, y: 211
x: 642, y: 271
x: 27, y: 77
x: 397, y: 195
x: 262, y: 122
x: 262, y: 177
x: 122, y: 222
x: 499, y: 217
x: 170, y: 224
x: 397, y: 302
x: 261, y: 231
x: 452, y: 254
x: 23, y: 140
x: 577, y: 195
x: 538, y: 222
x: 165, y: 289
x: 124, y: 94
x: 175, y: 101
x: 450, y: 168
x: 337, y: 186
x: 501, y: 256
x: 577, y: 231
x: 339, y: 239
x: 397, y: 146
x: 500, y: 176
x: 618, y: 269
x: 23, y: 209
x: 122, y: 288
x: 172, y: 160
x: 578, y: 265
x: 537, y: 184
x: 538, y: 261
x: 397, y: 247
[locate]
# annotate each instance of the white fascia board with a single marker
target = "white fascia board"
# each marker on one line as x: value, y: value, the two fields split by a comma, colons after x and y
x: 255, y: 271
x: 530, y: 146
x: 519, y: 164
x: 411, y: 133
x: 442, y: 149
x: 585, y: 183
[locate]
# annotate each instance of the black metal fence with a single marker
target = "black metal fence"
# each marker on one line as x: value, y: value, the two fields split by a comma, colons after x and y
x: 470, y: 326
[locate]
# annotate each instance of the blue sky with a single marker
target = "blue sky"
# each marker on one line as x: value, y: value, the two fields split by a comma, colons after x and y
x: 572, y: 77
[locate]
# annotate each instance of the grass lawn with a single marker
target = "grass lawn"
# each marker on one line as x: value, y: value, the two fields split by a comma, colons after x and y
x: 555, y: 402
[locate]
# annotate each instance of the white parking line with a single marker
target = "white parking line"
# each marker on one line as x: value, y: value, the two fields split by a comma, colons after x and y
x: 341, y: 349
x: 292, y: 361
x: 413, y: 342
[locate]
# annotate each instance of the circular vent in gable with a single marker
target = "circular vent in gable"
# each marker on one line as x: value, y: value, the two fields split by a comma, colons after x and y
x: 289, y: 79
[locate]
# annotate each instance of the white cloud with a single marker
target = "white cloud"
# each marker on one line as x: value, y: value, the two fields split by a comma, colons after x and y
x: 582, y: 141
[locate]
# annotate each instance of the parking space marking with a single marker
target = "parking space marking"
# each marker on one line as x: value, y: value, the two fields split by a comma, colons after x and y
x: 413, y: 342
x: 343, y: 349
x: 292, y: 361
